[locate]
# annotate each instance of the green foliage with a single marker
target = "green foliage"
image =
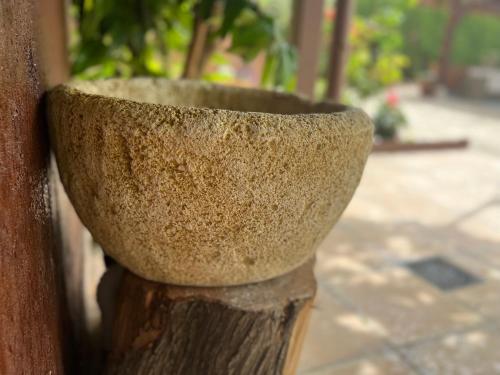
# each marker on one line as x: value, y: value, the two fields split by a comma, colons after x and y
x: 253, y: 31
x: 423, y: 32
x: 281, y: 64
x: 367, y: 8
x: 376, y: 58
x: 388, y: 120
x: 251, y: 34
x: 128, y: 37
x: 151, y: 37
x: 476, y: 41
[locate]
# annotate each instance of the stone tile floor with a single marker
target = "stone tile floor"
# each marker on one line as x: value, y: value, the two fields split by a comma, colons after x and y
x: 372, y: 315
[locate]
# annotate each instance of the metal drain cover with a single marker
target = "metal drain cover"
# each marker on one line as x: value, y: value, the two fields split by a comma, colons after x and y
x: 442, y: 274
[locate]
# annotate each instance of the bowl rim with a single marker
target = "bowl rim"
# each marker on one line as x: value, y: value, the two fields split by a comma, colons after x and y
x: 74, y: 87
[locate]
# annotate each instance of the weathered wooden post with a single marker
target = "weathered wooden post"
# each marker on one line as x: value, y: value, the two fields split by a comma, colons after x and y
x: 56, y: 70
x: 456, y: 11
x: 339, y: 49
x: 33, y: 331
x: 249, y: 329
x: 306, y: 36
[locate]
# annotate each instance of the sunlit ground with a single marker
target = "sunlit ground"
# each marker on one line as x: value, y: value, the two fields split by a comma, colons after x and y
x: 375, y: 317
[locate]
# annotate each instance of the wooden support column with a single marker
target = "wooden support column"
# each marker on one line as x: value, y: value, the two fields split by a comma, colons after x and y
x: 243, y: 330
x: 339, y: 50
x: 307, y: 27
x: 456, y: 13
x: 193, y: 68
x: 201, y: 46
x: 54, y: 51
x: 33, y: 331
x: 56, y: 70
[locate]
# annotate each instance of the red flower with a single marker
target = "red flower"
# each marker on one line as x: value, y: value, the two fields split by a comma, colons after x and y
x: 330, y: 14
x: 392, y: 98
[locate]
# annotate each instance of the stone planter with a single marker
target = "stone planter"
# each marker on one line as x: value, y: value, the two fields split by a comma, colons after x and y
x: 197, y: 184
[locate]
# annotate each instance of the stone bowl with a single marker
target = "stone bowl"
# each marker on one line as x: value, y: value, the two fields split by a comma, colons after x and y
x: 190, y: 183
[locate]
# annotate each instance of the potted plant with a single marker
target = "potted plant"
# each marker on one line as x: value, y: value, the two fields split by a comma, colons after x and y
x: 389, y: 118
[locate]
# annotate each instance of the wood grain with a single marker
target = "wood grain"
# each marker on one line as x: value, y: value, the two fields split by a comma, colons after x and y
x: 251, y: 329
x: 307, y: 26
x: 339, y: 49
x: 32, y: 337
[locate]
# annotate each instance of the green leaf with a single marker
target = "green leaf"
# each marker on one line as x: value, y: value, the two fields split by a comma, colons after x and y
x: 232, y: 10
x: 269, y: 68
x: 286, y: 66
x: 206, y: 7
x: 248, y: 40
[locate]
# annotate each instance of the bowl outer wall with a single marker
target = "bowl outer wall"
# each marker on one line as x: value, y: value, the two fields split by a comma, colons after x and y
x: 205, y: 197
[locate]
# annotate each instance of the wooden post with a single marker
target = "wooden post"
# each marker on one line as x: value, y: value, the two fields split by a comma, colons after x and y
x: 307, y: 24
x: 243, y: 330
x: 33, y: 335
x: 53, y: 40
x: 193, y: 67
x: 56, y: 70
x: 339, y: 49
x: 447, y: 44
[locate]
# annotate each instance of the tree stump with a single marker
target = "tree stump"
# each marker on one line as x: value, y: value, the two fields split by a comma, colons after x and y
x: 251, y: 329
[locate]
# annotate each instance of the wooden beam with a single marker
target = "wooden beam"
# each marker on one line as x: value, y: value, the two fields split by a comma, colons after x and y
x: 339, y: 50
x: 456, y: 13
x: 34, y: 338
x: 77, y: 254
x: 306, y: 36
x: 69, y: 229
x: 244, y: 330
x: 54, y: 44
x: 193, y: 67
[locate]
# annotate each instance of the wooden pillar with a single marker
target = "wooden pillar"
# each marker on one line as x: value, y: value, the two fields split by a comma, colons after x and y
x: 244, y: 330
x: 33, y: 338
x: 456, y: 13
x: 193, y: 68
x: 306, y: 36
x: 201, y: 45
x: 339, y: 49
x: 56, y: 70
x: 54, y: 44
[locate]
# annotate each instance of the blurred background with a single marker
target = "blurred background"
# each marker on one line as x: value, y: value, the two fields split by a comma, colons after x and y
x: 409, y: 279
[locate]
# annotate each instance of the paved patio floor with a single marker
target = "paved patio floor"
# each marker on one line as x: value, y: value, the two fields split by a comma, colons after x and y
x: 373, y: 315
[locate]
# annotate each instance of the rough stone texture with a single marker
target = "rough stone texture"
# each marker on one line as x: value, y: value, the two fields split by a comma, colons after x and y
x: 180, y: 191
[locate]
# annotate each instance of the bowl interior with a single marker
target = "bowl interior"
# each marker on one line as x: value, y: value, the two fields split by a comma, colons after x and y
x: 188, y: 93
